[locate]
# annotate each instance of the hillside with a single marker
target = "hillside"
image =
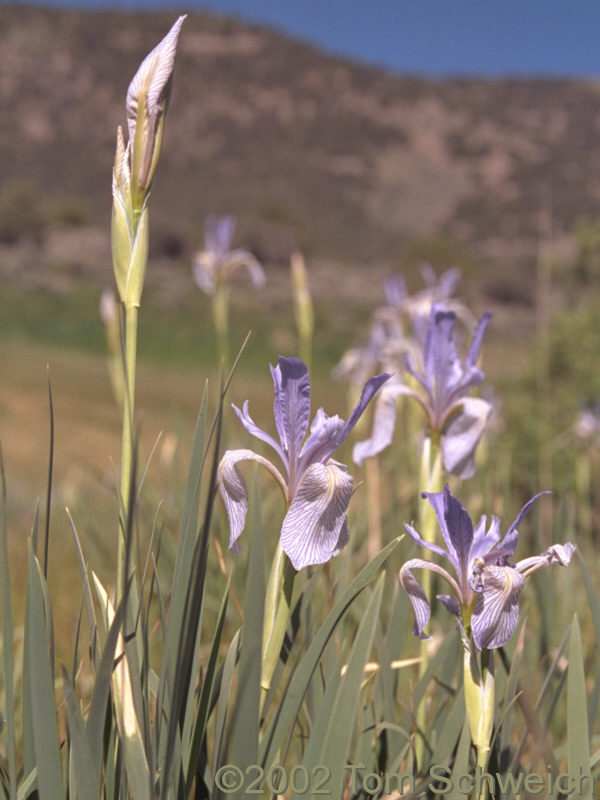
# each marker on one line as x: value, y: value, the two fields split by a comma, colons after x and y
x: 353, y: 159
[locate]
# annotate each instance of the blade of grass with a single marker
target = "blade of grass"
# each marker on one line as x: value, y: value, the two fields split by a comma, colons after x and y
x: 134, y: 754
x: 88, y: 781
x: 577, y: 723
x: 245, y: 724
x: 296, y: 688
x: 50, y: 469
x: 460, y: 767
x: 225, y: 683
x: 87, y: 593
x: 8, y: 637
x: 200, y: 719
x: 41, y: 687
x: 190, y: 623
x: 334, y: 738
x: 593, y: 601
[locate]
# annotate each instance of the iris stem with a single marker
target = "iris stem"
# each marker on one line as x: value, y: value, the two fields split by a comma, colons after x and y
x: 220, y: 310
x: 278, y: 604
x: 430, y: 480
x: 480, y: 704
x: 131, y: 322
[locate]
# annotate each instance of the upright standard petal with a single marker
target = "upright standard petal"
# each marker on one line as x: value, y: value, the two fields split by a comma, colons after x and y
x: 443, y: 369
x: 509, y: 544
x: 218, y: 234
x: 314, y: 529
x: 456, y: 527
x: 292, y: 404
x: 327, y: 434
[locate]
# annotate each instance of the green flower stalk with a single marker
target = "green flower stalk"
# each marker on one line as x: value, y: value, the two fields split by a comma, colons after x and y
x: 303, y: 307
x: 213, y: 268
x: 479, y: 683
x: 133, y: 175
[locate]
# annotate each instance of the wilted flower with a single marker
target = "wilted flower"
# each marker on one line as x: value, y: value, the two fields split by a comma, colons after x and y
x: 217, y: 261
x: 316, y: 488
x: 487, y: 588
x: 457, y: 420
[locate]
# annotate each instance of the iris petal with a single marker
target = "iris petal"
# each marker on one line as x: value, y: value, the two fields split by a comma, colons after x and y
x: 314, y: 529
x: 456, y: 526
x: 496, y: 611
x: 253, y: 428
x: 292, y: 403
x: 233, y: 490
x: 462, y: 434
x: 384, y: 420
x: 416, y: 594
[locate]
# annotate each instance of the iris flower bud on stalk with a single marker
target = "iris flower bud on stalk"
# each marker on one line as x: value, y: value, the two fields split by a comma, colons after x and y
x: 136, y: 163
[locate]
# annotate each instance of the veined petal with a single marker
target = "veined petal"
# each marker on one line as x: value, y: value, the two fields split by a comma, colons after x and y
x: 450, y: 602
x: 384, y: 421
x: 292, y: 404
x: 462, y: 434
x: 369, y: 389
x: 204, y: 270
x: 314, y: 528
x: 234, y: 493
x: 328, y: 433
x: 477, y: 340
x: 236, y: 259
x: 218, y: 234
x: 443, y: 369
x: 253, y: 428
x: 325, y: 431
x: 152, y: 78
x: 416, y: 594
x: 509, y: 543
x: 435, y: 548
x: 556, y: 554
x: 496, y: 611
x: 456, y: 527
x: 484, y: 542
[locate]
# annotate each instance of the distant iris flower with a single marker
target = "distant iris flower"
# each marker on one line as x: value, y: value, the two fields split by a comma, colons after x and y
x: 456, y: 420
x: 217, y: 261
x: 416, y: 308
x: 487, y: 588
x: 316, y: 488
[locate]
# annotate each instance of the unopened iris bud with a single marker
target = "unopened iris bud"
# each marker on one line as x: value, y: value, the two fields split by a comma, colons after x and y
x: 147, y: 101
x: 135, y: 166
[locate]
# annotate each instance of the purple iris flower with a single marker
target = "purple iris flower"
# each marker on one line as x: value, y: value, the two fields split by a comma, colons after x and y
x: 217, y: 261
x: 487, y: 588
x: 316, y: 488
x: 458, y: 420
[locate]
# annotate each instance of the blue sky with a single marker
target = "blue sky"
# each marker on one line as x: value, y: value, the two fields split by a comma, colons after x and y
x: 431, y: 37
